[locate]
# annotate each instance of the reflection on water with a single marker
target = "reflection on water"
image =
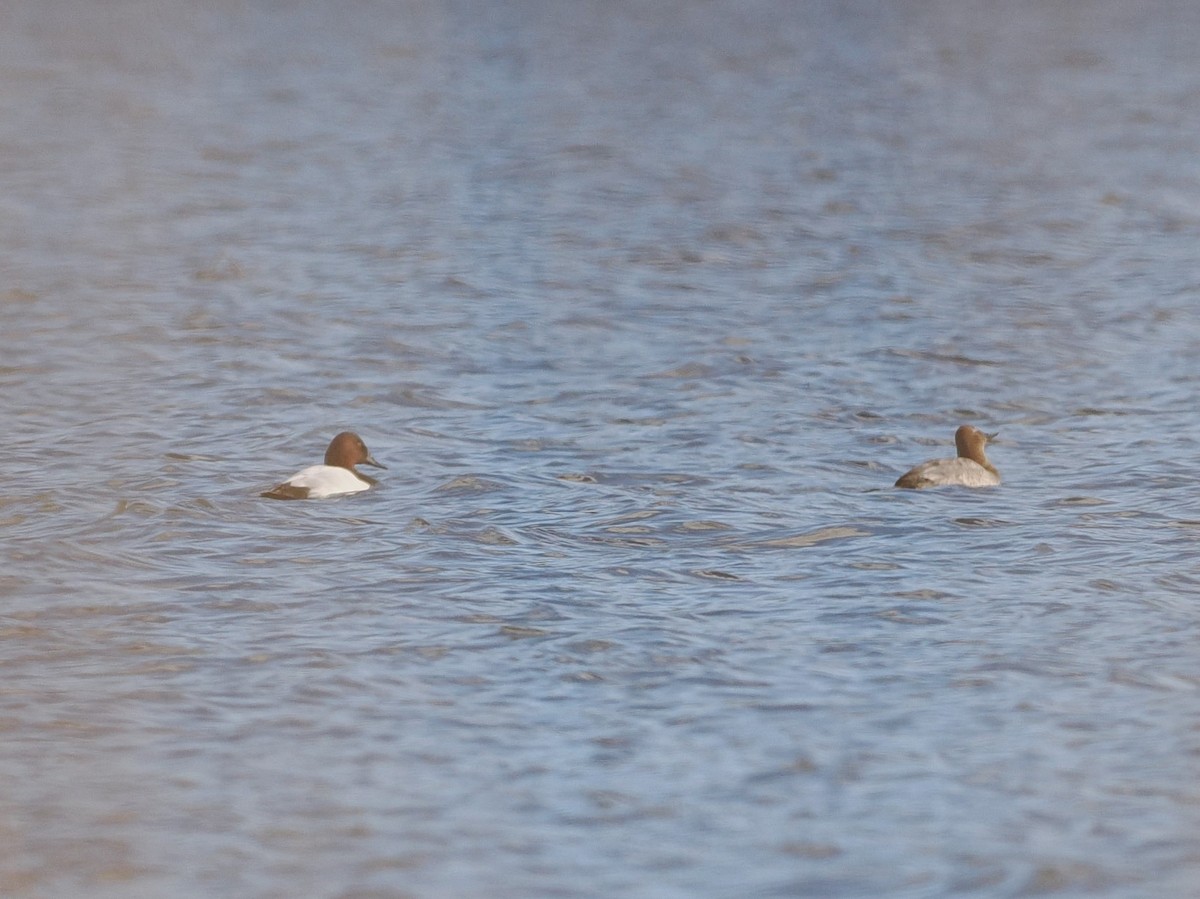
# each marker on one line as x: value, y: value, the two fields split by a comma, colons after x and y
x: 645, y: 308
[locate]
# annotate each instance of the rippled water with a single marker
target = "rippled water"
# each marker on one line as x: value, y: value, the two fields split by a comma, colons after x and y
x: 645, y: 306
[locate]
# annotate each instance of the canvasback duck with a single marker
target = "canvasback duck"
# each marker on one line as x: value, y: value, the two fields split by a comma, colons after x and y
x: 335, y: 477
x: 970, y: 469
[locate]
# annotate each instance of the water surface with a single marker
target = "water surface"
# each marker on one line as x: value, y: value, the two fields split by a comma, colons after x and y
x: 645, y: 306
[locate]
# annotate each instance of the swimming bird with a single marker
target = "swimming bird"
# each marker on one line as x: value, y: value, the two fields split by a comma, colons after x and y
x: 970, y: 469
x: 335, y: 477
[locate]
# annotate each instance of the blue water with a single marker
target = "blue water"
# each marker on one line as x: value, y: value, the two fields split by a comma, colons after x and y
x: 645, y: 307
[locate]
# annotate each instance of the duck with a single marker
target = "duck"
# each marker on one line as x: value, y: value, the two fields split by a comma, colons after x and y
x: 971, y: 468
x: 336, y: 477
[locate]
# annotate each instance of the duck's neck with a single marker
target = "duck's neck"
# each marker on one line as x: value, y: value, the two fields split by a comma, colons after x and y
x: 978, y: 456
